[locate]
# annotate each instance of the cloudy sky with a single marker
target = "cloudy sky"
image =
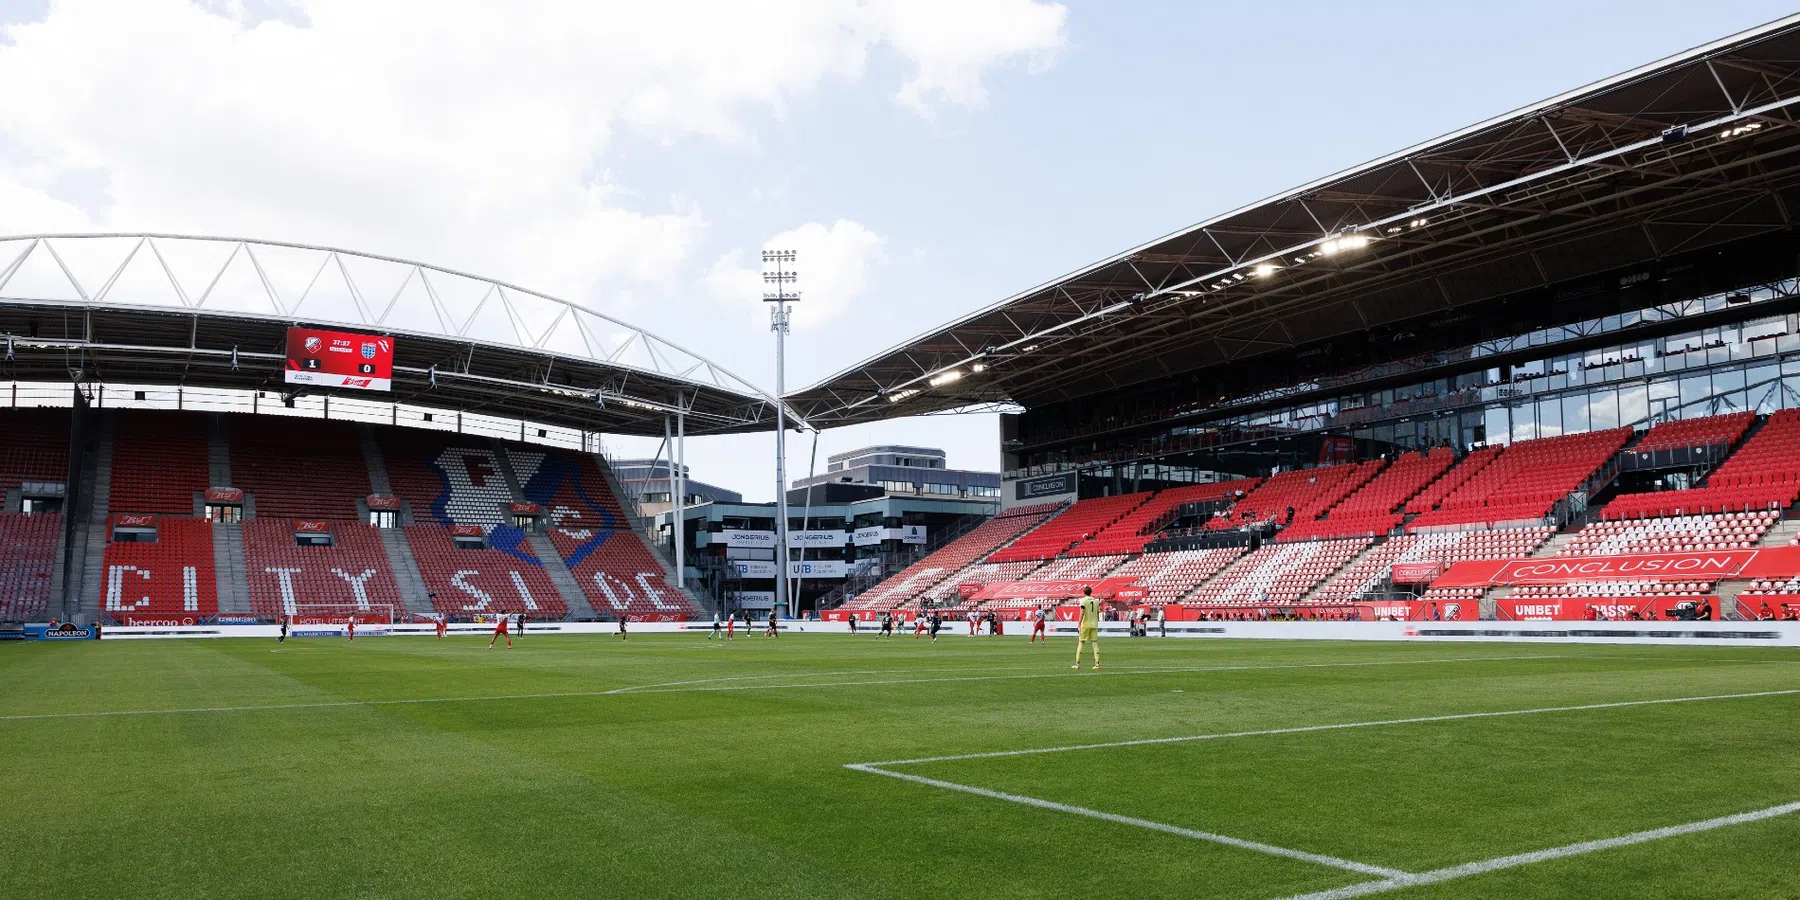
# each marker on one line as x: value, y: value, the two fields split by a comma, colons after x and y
x: 925, y: 157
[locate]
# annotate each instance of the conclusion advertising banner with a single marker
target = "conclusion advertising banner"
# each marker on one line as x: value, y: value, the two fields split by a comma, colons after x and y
x: 1104, y: 588
x: 1416, y: 572
x: 1710, y: 565
x: 340, y: 359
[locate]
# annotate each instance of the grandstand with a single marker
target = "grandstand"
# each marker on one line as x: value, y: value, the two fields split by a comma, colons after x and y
x: 1388, y: 404
x: 305, y: 546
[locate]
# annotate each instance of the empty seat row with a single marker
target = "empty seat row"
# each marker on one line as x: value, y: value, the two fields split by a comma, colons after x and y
x: 940, y: 565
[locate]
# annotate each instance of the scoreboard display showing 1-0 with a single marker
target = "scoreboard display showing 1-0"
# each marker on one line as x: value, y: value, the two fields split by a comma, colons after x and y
x: 340, y: 359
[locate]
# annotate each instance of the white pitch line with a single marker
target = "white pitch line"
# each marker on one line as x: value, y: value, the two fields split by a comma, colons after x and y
x: 1304, y: 729
x: 1037, y: 673
x: 1536, y: 856
x: 1318, y: 858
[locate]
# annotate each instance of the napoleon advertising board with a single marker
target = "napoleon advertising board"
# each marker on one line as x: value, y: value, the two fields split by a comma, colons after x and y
x: 340, y: 359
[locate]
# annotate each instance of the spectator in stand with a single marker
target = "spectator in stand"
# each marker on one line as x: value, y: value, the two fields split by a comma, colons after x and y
x: 1765, y: 614
x: 1704, y: 611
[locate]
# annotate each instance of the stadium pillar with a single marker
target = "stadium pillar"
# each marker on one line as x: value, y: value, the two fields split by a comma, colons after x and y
x: 679, y: 495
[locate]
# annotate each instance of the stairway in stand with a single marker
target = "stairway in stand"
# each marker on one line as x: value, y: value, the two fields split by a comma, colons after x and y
x: 1555, y: 544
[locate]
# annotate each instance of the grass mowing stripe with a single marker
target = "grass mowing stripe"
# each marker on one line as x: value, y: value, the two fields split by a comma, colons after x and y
x: 1536, y: 856
x: 1128, y: 670
x: 1271, y: 849
x: 1302, y: 729
x: 651, y: 688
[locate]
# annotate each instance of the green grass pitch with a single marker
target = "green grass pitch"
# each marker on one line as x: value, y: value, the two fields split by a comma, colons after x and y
x: 670, y: 766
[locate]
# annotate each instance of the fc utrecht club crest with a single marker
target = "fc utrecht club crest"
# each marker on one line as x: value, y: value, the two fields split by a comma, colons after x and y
x: 312, y: 345
x: 368, y: 351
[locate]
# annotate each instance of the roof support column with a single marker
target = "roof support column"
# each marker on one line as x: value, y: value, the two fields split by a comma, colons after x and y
x: 679, y: 495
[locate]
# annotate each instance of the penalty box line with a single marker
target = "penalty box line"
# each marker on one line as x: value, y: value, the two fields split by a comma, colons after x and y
x: 1305, y: 729
x: 1240, y: 843
x: 1536, y: 856
x: 1391, y: 879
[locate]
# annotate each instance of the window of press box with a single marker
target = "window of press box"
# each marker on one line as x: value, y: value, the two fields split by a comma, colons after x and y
x: 384, y: 518
x: 221, y: 513
x: 313, y: 540
x: 465, y: 542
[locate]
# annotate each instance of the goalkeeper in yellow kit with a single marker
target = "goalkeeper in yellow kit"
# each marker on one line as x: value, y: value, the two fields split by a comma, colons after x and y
x: 1090, y: 627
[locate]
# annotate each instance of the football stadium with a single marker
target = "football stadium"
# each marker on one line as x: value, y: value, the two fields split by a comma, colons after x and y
x: 1437, y: 522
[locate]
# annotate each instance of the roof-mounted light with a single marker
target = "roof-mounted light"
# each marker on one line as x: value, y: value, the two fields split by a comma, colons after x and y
x: 943, y: 378
x: 1344, y: 244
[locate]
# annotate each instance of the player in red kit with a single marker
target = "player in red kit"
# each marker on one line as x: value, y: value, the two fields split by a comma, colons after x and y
x: 350, y: 628
x: 443, y: 625
x: 1037, y: 626
x: 500, y: 629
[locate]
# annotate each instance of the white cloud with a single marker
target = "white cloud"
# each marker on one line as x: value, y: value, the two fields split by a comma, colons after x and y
x: 836, y: 264
x: 467, y: 133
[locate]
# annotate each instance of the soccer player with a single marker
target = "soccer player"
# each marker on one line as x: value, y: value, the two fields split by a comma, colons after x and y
x: 500, y: 629
x: 443, y: 625
x: 715, y: 632
x: 731, y: 628
x: 774, y: 630
x: 1090, y: 627
x: 623, y: 618
x: 1037, y: 626
x: 350, y: 627
x: 887, y: 624
x: 282, y: 638
x: 937, y: 622
x: 853, y: 623
x: 974, y: 621
x: 919, y: 626
x: 521, y: 624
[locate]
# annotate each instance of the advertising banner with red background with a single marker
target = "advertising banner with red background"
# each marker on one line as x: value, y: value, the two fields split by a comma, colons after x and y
x: 224, y: 495
x: 1764, y: 607
x: 1576, y: 609
x: 1416, y: 572
x: 466, y: 530
x: 1711, y: 565
x: 380, y: 503
x: 312, y: 526
x: 1104, y: 588
x: 340, y: 359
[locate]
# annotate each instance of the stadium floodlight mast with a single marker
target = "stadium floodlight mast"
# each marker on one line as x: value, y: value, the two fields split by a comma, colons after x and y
x: 778, y: 289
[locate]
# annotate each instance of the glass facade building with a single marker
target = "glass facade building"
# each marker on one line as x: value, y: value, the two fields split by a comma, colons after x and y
x: 1631, y: 369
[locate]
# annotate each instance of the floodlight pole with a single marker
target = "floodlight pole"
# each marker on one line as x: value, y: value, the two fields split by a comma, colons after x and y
x: 777, y: 282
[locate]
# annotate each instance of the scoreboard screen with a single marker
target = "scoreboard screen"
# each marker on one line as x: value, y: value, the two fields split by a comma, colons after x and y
x: 340, y: 359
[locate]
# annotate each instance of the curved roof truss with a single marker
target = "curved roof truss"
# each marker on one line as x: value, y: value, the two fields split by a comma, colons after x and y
x: 212, y: 311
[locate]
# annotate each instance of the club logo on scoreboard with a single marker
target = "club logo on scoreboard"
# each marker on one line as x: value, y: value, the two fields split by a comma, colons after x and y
x: 313, y: 344
x: 368, y: 351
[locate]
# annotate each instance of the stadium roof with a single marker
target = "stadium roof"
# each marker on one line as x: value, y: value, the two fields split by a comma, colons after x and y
x: 1693, y: 151
x: 213, y: 312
